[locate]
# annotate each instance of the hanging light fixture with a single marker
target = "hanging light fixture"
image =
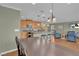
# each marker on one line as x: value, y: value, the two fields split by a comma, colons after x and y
x: 54, y: 20
x: 49, y: 19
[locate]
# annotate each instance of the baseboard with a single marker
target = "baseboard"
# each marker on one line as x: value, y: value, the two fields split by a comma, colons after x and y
x: 7, y: 52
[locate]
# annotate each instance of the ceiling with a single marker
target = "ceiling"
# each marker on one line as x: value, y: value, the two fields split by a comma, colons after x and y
x: 66, y: 12
x: 41, y: 11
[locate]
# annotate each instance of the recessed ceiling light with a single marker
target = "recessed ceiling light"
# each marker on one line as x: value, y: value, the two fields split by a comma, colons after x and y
x: 33, y: 3
x: 68, y: 3
x: 50, y: 11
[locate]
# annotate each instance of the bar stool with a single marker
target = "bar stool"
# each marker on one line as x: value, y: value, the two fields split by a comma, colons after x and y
x: 49, y: 37
x: 44, y: 36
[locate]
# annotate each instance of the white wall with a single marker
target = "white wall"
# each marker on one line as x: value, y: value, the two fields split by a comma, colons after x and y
x: 9, y: 19
x: 66, y: 12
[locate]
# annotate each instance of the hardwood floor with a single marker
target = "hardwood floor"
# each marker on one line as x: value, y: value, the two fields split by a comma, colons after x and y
x: 70, y: 45
x: 14, y: 53
x: 74, y: 46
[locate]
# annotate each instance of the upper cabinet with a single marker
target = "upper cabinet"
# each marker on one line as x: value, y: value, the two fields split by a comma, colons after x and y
x: 25, y: 23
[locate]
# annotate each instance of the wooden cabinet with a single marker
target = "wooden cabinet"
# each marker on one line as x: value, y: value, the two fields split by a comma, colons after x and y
x: 36, y: 24
x: 25, y: 23
x: 23, y: 35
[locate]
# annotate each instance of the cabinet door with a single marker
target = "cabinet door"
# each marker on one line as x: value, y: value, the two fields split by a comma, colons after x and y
x: 23, y: 24
x: 23, y: 35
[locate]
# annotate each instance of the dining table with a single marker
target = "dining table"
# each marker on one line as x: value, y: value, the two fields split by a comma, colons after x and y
x: 36, y: 46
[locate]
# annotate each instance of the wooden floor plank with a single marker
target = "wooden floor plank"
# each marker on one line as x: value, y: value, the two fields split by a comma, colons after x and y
x: 61, y: 42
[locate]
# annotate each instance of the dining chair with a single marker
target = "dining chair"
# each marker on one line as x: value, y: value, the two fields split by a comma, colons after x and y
x: 19, y: 47
x: 57, y: 35
x: 71, y: 36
